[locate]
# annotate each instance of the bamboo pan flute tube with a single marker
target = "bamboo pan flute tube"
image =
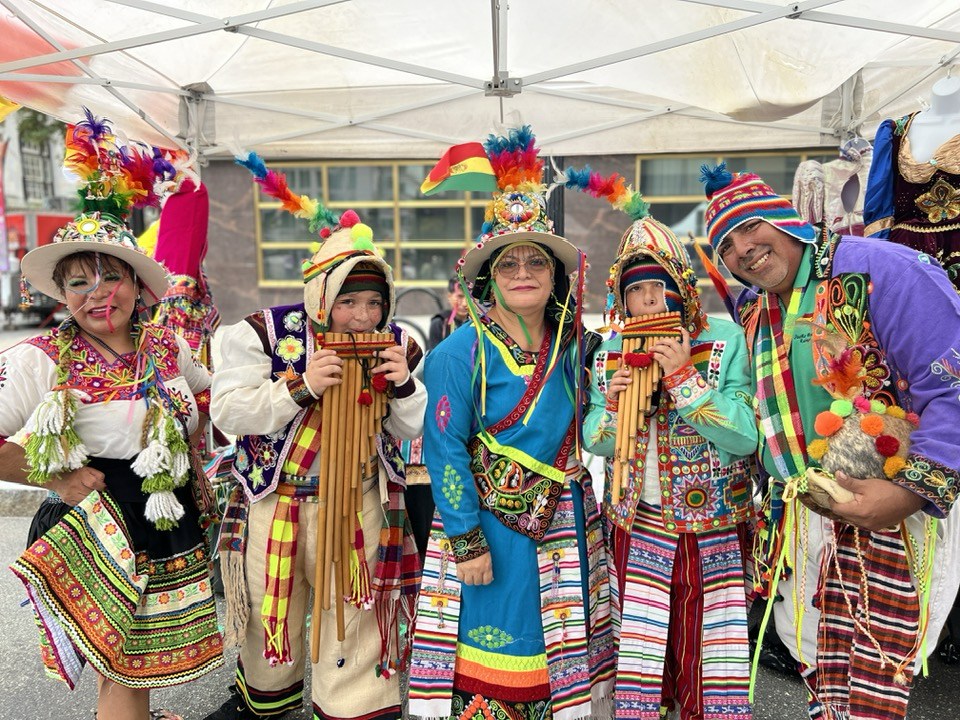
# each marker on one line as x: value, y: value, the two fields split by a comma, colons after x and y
x: 347, y: 436
x: 639, y: 336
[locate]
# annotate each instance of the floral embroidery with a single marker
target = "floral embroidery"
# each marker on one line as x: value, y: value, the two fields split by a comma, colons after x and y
x: 940, y: 202
x: 490, y: 637
x: 931, y: 480
x: 293, y: 321
x: 443, y: 413
x: 452, y: 487
x: 470, y: 545
x: 709, y: 414
x: 290, y: 348
x: 948, y: 369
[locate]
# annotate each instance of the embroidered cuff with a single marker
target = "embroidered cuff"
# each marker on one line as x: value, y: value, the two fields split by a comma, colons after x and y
x: 613, y: 406
x: 203, y: 401
x: 930, y: 480
x: 405, y: 390
x: 470, y: 545
x: 300, y: 392
x: 685, y: 386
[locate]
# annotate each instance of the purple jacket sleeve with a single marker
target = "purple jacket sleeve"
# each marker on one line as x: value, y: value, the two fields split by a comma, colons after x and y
x: 916, y: 319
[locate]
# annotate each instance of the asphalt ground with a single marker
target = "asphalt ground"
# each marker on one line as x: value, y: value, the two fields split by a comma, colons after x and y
x: 27, y: 694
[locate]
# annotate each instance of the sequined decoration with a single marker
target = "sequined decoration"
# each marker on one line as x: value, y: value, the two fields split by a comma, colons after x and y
x: 941, y: 202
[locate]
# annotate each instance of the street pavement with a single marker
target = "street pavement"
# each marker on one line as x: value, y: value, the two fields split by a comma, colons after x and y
x: 27, y: 694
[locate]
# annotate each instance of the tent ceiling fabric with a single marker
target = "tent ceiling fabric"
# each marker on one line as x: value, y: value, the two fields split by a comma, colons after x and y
x: 407, y: 78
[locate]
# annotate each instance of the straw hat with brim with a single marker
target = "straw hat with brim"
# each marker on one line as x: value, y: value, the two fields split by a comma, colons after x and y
x: 94, y: 232
x: 564, y: 251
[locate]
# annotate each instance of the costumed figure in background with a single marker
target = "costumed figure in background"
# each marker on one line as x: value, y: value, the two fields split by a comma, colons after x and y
x: 913, y: 192
x: 271, y: 390
x: 420, y: 504
x: 676, y: 515
x: 879, y: 325
x: 513, y: 618
x: 100, y: 411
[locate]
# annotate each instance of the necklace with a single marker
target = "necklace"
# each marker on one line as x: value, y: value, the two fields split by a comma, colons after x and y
x: 103, y: 343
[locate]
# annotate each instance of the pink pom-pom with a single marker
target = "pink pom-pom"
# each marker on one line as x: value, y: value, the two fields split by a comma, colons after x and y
x: 913, y: 419
x: 325, y: 233
x: 349, y: 219
x: 861, y: 404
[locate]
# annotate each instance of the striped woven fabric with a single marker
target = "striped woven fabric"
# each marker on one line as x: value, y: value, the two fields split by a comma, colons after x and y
x: 140, y: 622
x: 852, y: 680
x: 573, y: 664
x: 643, y: 623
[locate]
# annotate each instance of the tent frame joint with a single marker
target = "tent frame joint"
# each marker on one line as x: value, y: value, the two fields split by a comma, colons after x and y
x: 503, y: 87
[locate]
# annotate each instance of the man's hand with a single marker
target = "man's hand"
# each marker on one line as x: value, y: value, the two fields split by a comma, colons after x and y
x: 75, y: 485
x: 393, y: 364
x: 478, y: 571
x: 673, y: 354
x: 877, y: 504
x: 324, y: 369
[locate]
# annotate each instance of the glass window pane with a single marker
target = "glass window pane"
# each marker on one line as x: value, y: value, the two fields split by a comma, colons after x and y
x: 303, y: 180
x: 429, y: 263
x: 362, y: 182
x: 777, y: 171
x: 476, y: 221
x: 412, y: 176
x: 682, y: 218
x: 284, y: 264
x: 432, y: 223
x: 380, y: 221
x: 278, y: 225
x: 672, y: 176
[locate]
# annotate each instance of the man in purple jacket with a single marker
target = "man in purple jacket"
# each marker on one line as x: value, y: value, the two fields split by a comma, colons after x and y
x: 835, y: 324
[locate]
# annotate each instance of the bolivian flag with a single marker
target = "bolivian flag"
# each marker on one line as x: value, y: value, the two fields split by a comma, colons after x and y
x: 462, y: 167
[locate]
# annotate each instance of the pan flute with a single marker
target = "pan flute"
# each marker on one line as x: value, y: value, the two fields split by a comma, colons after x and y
x: 639, y: 337
x: 348, y: 430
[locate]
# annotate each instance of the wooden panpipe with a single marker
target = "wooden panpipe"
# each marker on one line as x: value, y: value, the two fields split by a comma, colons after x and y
x: 348, y: 451
x: 639, y: 337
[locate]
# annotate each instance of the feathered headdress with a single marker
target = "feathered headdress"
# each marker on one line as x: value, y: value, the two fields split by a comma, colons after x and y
x: 344, y: 240
x: 646, y: 236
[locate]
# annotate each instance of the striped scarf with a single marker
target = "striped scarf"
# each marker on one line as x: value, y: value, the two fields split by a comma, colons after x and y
x: 396, y: 582
x: 281, y: 553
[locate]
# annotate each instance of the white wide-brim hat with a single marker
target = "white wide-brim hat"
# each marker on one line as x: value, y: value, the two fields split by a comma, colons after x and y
x: 100, y: 233
x: 562, y: 249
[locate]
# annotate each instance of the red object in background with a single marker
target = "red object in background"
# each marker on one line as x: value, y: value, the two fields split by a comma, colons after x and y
x: 27, y: 230
x: 20, y: 42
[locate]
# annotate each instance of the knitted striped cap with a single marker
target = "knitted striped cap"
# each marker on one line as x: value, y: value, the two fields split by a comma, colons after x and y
x: 737, y: 198
x: 365, y: 276
x: 644, y: 269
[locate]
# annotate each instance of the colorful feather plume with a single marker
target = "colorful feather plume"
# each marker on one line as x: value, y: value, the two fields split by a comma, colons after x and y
x: 718, y: 280
x: 115, y: 178
x: 274, y: 184
x: 515, y: 159
x: 614, y: 189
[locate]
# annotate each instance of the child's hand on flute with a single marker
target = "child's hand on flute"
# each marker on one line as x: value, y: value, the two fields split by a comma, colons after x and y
x: 672, y: 354
x: 393, y: 363
x: 618, y: 383
x: 324, y: 369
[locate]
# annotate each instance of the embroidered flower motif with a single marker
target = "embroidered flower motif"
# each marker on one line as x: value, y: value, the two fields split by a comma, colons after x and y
x: 490, y: 637
x: 163, y: 598
x: 941, y: 202
x: 293, y: 320
x: 452, y: 487
x: 443, y: 413
x: 290, y: 348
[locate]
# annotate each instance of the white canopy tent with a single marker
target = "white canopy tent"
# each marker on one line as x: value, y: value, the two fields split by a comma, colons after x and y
x: 407, y: 78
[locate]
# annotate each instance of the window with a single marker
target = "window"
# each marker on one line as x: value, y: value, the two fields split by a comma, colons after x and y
x: 37, y: 173
x: 422, y: 238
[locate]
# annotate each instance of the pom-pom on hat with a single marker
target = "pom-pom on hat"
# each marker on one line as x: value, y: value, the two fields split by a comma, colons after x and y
x: 345, y: 243
x: 112, y: 179
x: 738, y: 197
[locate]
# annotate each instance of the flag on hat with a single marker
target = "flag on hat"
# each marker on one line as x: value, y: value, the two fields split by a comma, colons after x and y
x: 462, y: 167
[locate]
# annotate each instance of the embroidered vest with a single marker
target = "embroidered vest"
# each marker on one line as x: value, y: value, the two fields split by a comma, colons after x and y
x: 289, y: 342
x: 697, y: 492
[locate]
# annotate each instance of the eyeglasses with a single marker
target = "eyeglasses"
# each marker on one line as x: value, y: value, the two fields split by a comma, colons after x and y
x: 536, y: 264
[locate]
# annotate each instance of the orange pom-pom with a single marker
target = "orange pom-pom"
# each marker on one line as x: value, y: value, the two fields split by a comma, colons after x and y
x: 871, y: 424
x: 818, y: 448
x: 893, y: 465
x: 827, y: 423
